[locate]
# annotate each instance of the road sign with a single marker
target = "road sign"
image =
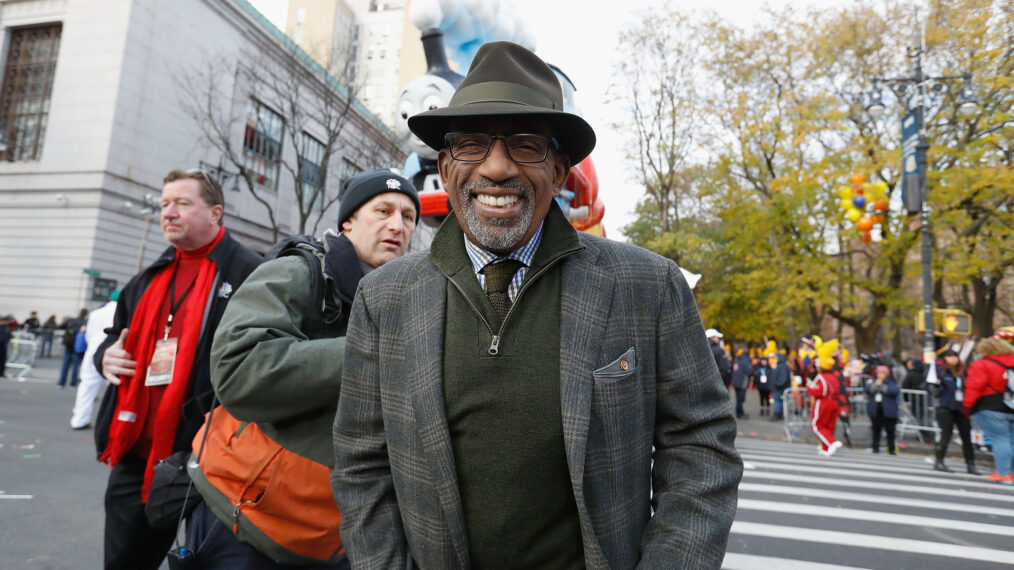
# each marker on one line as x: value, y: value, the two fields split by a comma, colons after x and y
x: 101, y: 289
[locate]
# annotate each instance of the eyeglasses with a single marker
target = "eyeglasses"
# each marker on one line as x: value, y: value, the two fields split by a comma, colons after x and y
x: 207, y: 179
x: 521, y: 148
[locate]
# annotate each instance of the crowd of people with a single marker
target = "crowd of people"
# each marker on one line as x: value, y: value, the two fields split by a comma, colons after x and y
x: 949, y: 393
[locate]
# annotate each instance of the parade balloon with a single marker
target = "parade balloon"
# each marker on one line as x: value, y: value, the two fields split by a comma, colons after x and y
x: 853, y: 214
x: 881, y: 187
x: 864, y: 224
x: 844, y: 192
x: 877, y: 219
x: 845, y: 203
x: 866, y: 237
x: 880, y: 204
x: 857, y: 178
x: 859, y: 202
x: 860, y: 191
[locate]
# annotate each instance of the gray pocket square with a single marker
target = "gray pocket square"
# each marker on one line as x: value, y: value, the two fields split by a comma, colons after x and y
x: 618, y: 369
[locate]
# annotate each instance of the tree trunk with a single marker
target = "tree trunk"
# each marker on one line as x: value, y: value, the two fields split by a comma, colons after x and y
x: 984, y: 306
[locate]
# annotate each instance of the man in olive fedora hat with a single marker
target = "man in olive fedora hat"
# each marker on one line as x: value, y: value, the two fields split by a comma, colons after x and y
x: 527, y: 396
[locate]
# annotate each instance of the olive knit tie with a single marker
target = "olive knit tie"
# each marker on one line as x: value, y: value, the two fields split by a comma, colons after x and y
x: 498, y: 279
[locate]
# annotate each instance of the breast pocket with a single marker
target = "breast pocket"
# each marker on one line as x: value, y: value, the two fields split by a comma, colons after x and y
x: 617, y: 370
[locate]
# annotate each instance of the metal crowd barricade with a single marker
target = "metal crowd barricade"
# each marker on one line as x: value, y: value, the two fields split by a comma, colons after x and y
x: 21, y: 352
x: 915, y: 412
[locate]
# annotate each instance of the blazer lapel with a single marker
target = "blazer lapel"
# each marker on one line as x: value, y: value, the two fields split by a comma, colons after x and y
x: 428, y: 297
x: 586, y: 300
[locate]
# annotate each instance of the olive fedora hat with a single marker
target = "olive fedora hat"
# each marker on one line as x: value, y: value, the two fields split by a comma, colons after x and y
x: 507, y: 80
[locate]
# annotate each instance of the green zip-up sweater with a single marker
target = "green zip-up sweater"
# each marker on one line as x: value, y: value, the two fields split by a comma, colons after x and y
x: 504, y: 412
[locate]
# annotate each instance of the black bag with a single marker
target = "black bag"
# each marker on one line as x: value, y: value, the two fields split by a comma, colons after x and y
x: 104, y: 418
x: 171, y: 496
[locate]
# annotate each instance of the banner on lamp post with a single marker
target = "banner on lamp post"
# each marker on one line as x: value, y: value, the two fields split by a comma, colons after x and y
x: 911, y: 177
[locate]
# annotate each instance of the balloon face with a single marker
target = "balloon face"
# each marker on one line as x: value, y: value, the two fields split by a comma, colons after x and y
x: 859, y: 202
x: 880, y: 204
x: 853, y: 214
x: 864, y: 224
x: 844, y: 192
x: 857, y: 178
x: 424, y: 93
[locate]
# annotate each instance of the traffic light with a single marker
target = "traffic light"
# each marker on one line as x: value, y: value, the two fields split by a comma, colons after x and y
x: 946, y: 322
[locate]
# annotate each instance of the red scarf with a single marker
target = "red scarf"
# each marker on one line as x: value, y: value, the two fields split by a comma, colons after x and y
x: 146, y: 327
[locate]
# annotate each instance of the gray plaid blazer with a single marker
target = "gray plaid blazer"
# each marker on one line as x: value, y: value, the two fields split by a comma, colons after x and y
x: 649, y: 443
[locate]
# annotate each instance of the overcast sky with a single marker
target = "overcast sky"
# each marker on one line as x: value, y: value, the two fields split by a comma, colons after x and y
x: 580, y: 38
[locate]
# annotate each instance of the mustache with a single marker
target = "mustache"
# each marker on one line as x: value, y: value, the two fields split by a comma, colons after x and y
x: 509, y: 184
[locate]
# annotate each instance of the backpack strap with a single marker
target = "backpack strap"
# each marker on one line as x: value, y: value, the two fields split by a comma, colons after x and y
x: 312, y: 251
x: 1010, y: 374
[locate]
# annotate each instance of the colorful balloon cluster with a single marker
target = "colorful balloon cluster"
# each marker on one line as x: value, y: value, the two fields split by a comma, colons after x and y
x: 864, y: 204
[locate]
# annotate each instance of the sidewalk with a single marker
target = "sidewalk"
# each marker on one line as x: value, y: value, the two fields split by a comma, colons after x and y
x: 761, y: 427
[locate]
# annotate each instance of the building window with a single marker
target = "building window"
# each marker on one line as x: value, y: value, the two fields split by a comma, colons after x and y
x: 300, y: 15
x: 297, y: 36
x: 262, y: 143
x: 27, y: 86
x: 311, y: 171
x: 349, y: 169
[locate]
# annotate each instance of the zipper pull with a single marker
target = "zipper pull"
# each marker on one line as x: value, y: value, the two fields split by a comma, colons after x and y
x: 235, y: 517
x: 494, y: 347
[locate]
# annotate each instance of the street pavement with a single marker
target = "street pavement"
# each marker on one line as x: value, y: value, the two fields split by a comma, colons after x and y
x: 51, y: 486
x: 797, y: 510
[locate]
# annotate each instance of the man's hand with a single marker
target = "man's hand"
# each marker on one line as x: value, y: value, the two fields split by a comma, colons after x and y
x: 117, y: 362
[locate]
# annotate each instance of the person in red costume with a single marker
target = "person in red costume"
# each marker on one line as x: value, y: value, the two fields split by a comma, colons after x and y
x: 824, y: 387
x: 156, y: 356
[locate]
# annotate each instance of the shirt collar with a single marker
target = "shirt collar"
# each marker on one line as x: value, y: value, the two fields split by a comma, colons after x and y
x: 480, y: 258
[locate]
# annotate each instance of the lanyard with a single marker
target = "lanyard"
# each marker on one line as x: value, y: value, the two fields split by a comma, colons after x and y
x: 172, y: 293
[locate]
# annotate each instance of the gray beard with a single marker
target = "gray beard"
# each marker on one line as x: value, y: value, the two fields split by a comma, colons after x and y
x: 498, y: 234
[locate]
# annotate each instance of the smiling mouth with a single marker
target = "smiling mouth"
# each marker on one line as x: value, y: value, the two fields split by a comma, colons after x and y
x: 496, y: 201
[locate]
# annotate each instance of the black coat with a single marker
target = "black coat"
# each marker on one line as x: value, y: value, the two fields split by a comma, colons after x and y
x: 781, y: 377
x: 724, y: 368
x: 889, y: 398
x: 234, y: 263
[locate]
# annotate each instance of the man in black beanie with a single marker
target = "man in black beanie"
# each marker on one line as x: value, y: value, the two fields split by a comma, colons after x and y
x: 277, y: 362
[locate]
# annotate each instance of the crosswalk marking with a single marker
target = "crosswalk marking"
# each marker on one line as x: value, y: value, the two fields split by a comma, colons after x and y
x: 856, y: 510
x: 860, y: 515
x: 851, y: 460
x: 867, y: 474
x: 880, y: 486
x: 735, y: 561
x: 872, y: 541
x: 797, y: 491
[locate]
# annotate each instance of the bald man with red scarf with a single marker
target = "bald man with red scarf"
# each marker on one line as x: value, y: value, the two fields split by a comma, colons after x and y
x: 156, y: 356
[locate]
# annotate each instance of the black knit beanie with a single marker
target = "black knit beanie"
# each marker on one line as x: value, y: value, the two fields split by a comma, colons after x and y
x: 361, y: 188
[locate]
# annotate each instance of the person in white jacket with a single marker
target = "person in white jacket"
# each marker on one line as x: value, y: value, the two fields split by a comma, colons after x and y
x: 98, y: 321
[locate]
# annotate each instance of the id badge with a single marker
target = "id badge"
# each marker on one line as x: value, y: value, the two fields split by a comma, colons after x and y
x: 959, y: 396
x: 160, y: 371
x: 878, y: 398
x: 764, y: 379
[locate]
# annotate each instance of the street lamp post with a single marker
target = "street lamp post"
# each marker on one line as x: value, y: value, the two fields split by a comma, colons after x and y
x: 915, y: 163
